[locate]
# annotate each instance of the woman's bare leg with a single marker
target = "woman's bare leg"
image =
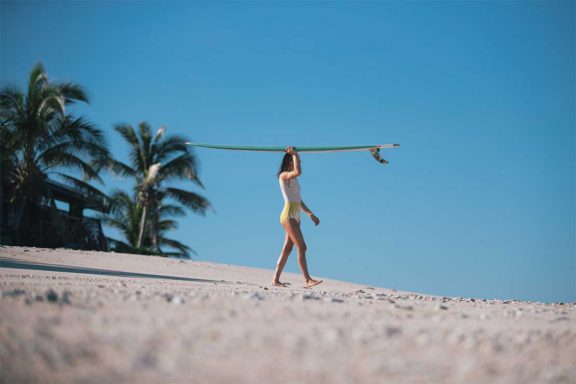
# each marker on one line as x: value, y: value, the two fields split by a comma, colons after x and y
x: 292, y: 228
x: 286, y: 249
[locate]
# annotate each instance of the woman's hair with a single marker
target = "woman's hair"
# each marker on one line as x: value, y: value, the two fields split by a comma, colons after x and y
x: 286, y: 165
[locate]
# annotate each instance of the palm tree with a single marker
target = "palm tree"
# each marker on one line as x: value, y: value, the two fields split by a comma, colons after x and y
x: 40, y: 137
x: 8, y: 163
x: 125, y: 216
x: 154, y: 162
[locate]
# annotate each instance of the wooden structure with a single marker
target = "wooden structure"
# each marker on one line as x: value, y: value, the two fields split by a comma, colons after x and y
x: 46, y: 225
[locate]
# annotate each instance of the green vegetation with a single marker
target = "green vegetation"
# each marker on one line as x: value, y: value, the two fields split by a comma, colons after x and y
x: 40, y: 137
x: 155, y: 161
x: 126, y: 215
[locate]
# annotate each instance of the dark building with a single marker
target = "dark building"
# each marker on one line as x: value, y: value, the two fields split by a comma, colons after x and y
x: 48, y: 226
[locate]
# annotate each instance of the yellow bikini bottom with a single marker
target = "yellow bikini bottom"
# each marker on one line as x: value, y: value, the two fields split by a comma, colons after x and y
x: 291, y: 211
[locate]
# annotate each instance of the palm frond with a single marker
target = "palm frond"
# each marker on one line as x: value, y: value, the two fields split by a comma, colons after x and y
x: 166, y: 225
x: 170, y: 146
x: 127, y: 132
x: 136, y: 155
x: 51, y: 104
x: 171, y: 210
x: 67, y: 160
x: 115, y: 222
x: 11, y: 101
x: 192, y: 200
x: 145, y: 133
x: 124, y: 215
x: 72, y: 92
x: 183, y: 166
x: 36, y: 79
x: 120, y: 246
x: 184, y: 250
x: 76, y: 148
x: 117, y: 168
x: 81, y: 128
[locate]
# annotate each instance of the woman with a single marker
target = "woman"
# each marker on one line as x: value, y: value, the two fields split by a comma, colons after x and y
x: 290, y: 169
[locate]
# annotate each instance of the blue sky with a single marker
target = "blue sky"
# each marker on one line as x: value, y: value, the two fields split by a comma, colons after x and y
x: 480, y: 199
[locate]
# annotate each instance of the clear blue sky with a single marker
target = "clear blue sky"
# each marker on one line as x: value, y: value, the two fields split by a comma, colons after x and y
x: 480, y: 199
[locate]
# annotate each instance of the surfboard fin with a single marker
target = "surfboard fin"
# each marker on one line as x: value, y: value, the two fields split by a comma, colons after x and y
x: 376, y: 155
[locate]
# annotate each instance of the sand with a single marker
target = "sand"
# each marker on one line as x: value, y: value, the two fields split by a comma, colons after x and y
x: 94, y: 317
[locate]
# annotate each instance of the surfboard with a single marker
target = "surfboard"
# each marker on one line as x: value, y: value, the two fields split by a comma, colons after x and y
x: 299, y: 149
x: 373, y: 149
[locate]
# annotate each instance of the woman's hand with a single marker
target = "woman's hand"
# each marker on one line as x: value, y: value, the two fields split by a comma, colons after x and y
x: 291, y: 151
x: 315, y: 219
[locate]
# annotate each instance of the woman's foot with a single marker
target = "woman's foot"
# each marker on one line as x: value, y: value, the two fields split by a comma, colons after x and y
x: 278, y: 284
x: 310, y: 283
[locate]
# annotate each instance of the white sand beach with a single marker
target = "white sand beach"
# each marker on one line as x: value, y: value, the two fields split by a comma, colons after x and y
x: 92, y: 317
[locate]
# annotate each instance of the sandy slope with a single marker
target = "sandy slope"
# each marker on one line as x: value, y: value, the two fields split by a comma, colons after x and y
x: 73, y: 316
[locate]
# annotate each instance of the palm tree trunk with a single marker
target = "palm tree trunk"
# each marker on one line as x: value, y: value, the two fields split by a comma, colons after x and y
x: 154, y: 228
x: 142, y: 226
x: 155, y: 240
x: 26, y: 192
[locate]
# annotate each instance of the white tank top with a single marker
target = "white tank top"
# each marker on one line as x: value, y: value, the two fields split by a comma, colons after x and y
x: 290, y: 190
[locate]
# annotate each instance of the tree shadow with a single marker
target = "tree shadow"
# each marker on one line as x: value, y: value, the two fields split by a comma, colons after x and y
x: 10, y: 263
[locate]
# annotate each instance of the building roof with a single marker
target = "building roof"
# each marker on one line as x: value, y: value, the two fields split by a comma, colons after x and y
x: 69, y: 194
